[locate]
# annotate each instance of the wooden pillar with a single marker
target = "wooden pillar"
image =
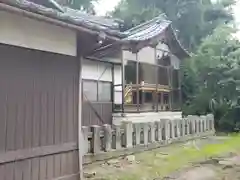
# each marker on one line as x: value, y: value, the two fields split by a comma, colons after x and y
x: 162, y: 100
x: 137, y: 81
x: 180, y: 88
x: 113, y: 87
x: 156, y: 79
x: 81, y: 145
x: 170, y: 85
x: 123, y: 79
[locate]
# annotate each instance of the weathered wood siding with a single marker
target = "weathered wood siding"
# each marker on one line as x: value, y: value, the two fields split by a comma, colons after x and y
x: 89, y: 113
x: 38, y: 115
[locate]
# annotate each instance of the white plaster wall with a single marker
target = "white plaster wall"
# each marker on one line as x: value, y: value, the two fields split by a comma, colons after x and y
x: 161, y: 48
x: 96, y: 71
x: 146, y: 54
x: 175, y: 62
x: 117, y: 80
x: 25, y: 32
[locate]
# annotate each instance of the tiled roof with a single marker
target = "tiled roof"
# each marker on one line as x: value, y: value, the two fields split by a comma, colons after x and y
x: 147, y: 30
x: 109, y: 26
x: 141, y: 33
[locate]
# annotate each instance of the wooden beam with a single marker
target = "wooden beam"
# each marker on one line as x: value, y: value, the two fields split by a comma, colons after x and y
x: 123, y: 79
x: 23, y: 154
x: 156, y: 79
x: 113, y: 87
x: 80, y: 135
x: 137, y: 79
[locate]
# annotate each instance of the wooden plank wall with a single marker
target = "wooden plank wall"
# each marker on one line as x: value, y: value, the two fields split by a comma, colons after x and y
x: 38, y: 115
x: 104, y: 110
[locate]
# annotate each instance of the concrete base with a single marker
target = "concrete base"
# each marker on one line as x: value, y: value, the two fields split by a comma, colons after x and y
x: 118, y: 118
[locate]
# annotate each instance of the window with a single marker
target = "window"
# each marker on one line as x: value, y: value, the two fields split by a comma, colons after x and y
x: 104, y: 91
x: 175, y: 79
x: 89, y: 90
x: 163, y: 76
x: 147, y: 73
x: 97, y: 91
x: 130, y: 72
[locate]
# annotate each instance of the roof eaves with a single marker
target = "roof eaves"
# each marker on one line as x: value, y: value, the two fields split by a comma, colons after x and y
x: 30, y: 7
x: 49, y: 16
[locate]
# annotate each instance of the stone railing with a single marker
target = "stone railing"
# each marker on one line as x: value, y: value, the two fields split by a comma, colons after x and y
x: 104, y: 142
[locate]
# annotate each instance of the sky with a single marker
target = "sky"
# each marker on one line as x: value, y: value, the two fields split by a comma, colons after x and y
x: 104, y: 6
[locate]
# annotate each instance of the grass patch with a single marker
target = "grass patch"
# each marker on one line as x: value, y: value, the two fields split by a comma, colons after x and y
x: 166, y: 160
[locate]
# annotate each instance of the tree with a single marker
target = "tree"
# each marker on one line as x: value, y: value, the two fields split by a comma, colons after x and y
x: 193, y: 19
x: 214, y: 81
x: 86, y: 5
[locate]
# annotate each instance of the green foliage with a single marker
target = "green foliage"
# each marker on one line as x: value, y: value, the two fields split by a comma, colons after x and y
x: 194, y: 19
x: 216, y: 74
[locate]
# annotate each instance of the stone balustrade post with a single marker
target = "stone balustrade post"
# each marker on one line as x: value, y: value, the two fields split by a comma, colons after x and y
x: 152, y: 131
x: 145, y: 133
x: 128, y: 134
x: 192, y: 124
x: 96, y: 140
x: 178, y: 122
x: 107, y: 137
x: 118, y: 135
x: 172, y: 125
x: 85, y: 132
x: 159, y: 130
x: 138, y: 128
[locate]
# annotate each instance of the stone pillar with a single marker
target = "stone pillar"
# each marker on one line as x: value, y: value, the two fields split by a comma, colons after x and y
x: 152, y: 131
x: 211, y: 122
x: 205, y: 123
x: 202, y: 123
x: 188, y: 126
x: 178, y: 123
x: 118, y: 134
x: 159, y: 130
x: 196, y: 123
x: 192, y: 124
x: 128, y: 134
x: 138, y: 133
x: 107, y: 137
x: 85, y: 131
x: 183, y: 123
x: 172, y: 126
x: 168, y: 129
x: 96, y: 139
x: 145, y: 133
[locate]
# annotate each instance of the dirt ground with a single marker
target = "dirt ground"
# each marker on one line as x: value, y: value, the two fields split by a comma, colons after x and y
x: 194, y: 160
x: 216, y: 169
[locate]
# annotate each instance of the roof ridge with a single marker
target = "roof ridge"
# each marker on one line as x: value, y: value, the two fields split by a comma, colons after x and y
x: 147, y: 22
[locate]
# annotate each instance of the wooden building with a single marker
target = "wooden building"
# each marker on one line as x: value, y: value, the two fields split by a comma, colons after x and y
x: 150, y: 57
x: 41, y: 52
x: 61, y: 69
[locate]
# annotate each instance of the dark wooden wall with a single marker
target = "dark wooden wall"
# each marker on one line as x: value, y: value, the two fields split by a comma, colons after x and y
x: 38, y: 115
x: 90, y: 111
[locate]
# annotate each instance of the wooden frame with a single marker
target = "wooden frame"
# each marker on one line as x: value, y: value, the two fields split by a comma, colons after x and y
x: 155, y: 88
